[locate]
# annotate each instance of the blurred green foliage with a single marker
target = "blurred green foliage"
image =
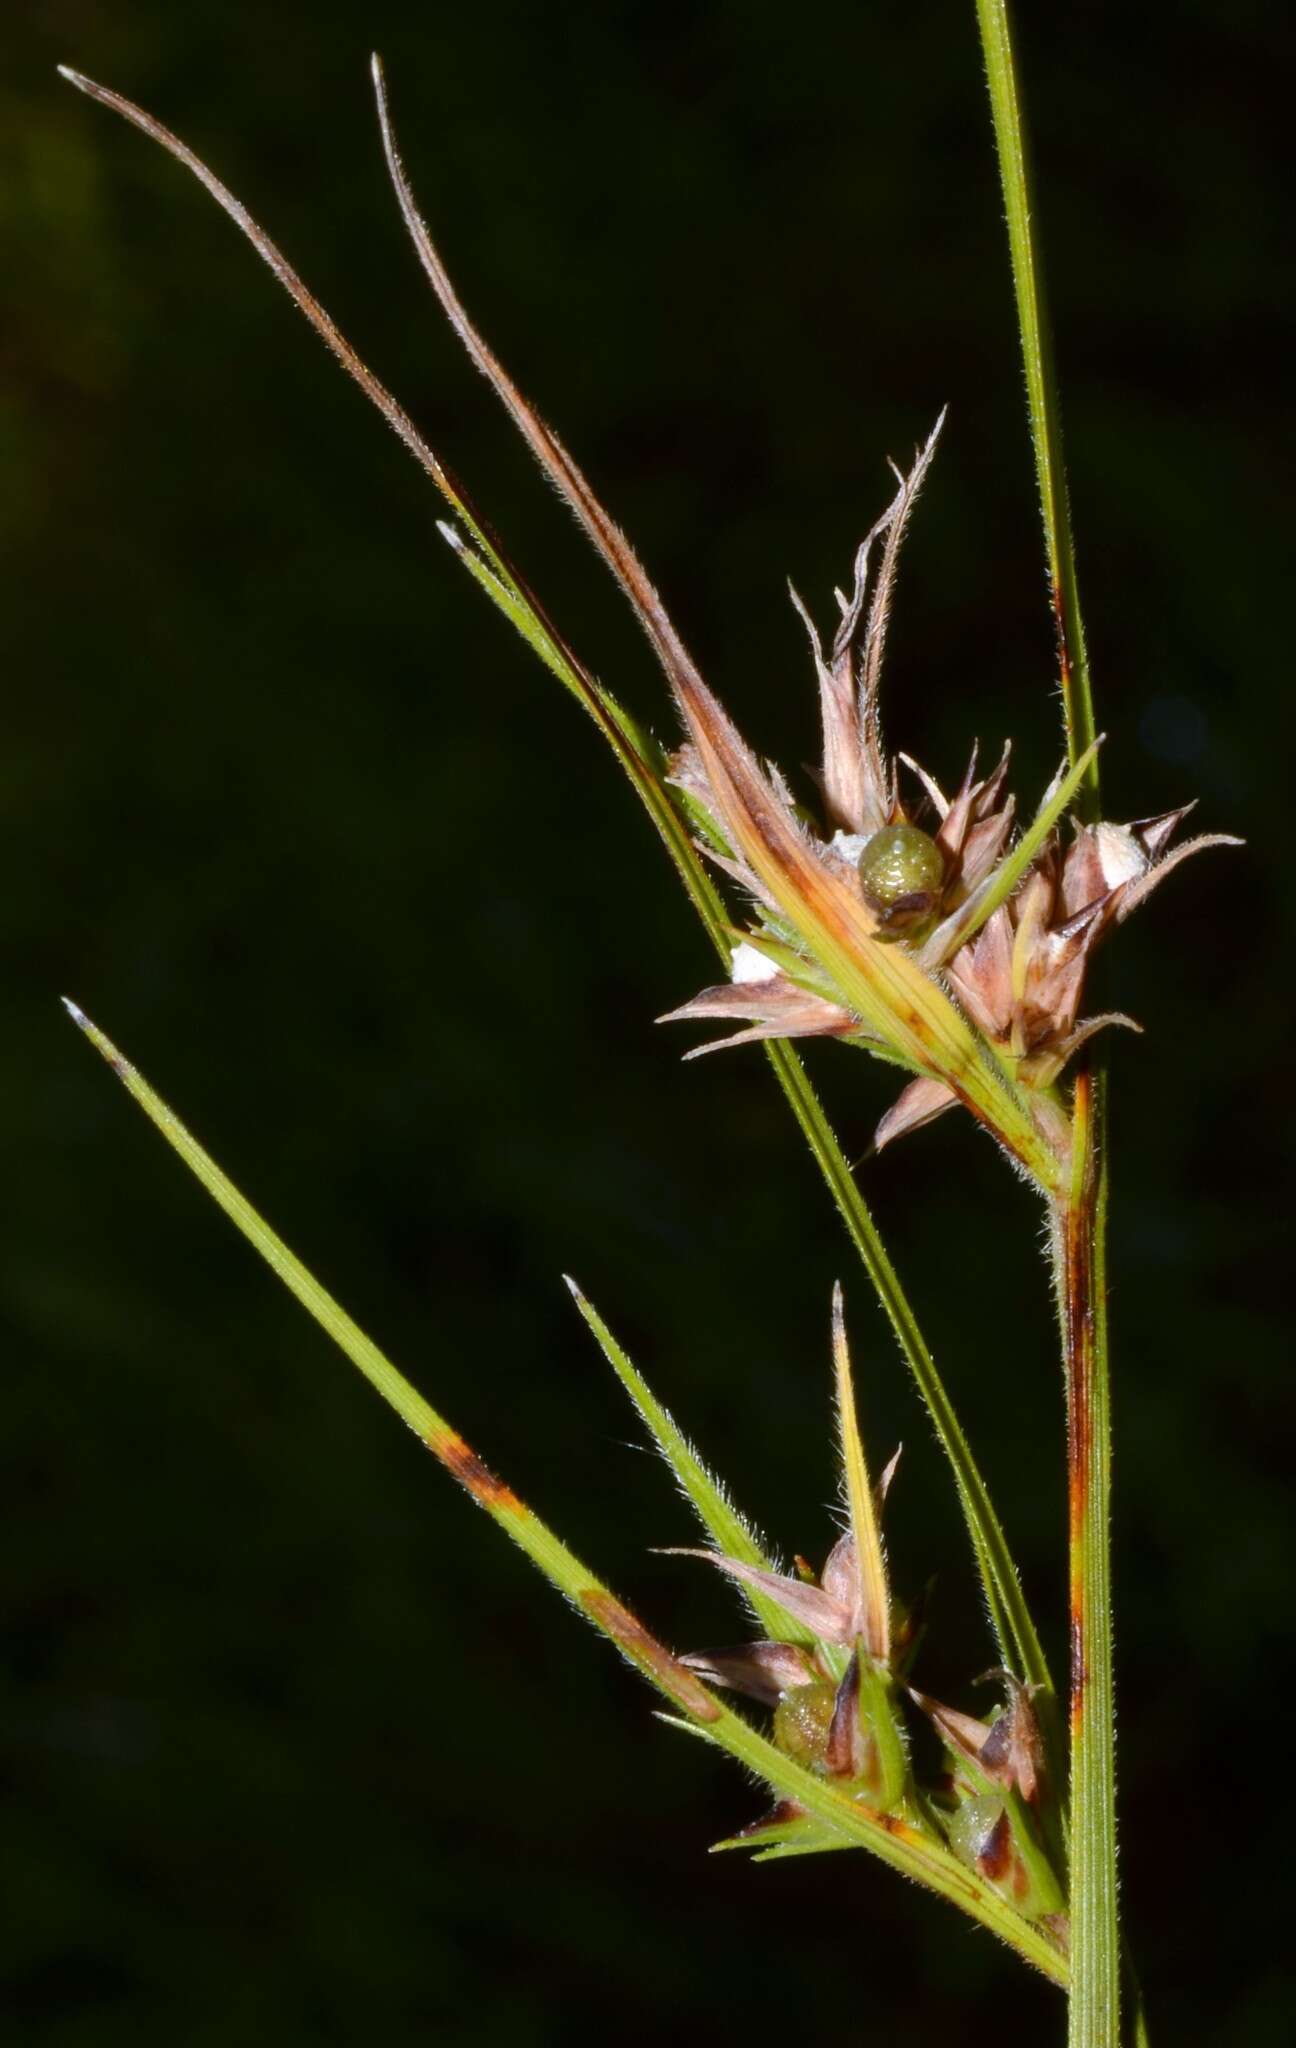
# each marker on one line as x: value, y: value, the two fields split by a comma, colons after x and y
x: 290, y: 813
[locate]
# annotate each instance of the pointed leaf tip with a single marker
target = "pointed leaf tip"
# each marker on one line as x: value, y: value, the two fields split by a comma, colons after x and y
x: 707, y: 1496
x: 871, y: 1594
x: 104, y: 1046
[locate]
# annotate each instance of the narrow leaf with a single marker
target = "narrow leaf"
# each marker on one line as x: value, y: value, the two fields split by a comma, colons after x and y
x: 721, y: 1520
x: 500, y: 1502
x: 909, y: 1849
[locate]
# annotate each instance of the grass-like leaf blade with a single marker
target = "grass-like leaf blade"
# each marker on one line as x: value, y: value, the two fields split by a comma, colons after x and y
x: 729, y: 1531
x: 904, y: 1846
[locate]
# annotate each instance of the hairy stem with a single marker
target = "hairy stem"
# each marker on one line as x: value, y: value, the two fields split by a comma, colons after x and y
x: 1080, y: 1220
x: 1079, y: 1238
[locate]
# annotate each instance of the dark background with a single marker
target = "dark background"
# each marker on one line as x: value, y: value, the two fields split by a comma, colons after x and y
x: 296, y: 1748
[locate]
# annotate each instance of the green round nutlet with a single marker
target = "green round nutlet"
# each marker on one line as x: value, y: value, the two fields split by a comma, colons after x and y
x: 981, y: 1835
x: 802, y: 1720
x: 973, y: 1829
x: 902, y: 873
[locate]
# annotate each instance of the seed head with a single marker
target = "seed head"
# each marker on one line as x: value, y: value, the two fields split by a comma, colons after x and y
x: 867, y: 923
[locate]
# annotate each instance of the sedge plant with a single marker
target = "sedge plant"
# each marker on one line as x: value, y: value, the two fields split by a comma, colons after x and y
x: 942, y: 932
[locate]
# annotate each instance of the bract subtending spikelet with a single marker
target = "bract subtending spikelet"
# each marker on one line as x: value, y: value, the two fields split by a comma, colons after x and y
x: 834, y: 1699
x: 822, y: 958
x: 1009, y: 1750
x: 1006, y: 928
x: 998, y: 1801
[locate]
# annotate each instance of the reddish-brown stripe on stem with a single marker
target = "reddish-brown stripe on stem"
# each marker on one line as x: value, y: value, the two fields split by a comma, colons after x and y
x: 462, y: 1461
x: 1063, y: 643
x: 651, y: 1656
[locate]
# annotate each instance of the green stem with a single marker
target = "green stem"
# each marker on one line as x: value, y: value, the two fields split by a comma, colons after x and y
x: 1140, y: 2037
x: 1041, y: 389
x: 1080, y: 1220
x: 1079, y: 1238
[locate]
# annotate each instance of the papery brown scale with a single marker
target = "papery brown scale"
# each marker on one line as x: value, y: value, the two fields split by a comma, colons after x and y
x: 777, y: 1007
x: 806, y: 1603
x: 937, y: 795
x: 957, y: 819
x: 918, y: 1104
x: 840, y: 1579
x: 962, y: 1733
x: 984, y: 845
x: 1138, y: 891
x: 981, y: 975
x: 763, y: 1671
x: 884, y: 588
x: 1014, y: 1749
x: 1083, y: 880
x: 846, y: 1752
